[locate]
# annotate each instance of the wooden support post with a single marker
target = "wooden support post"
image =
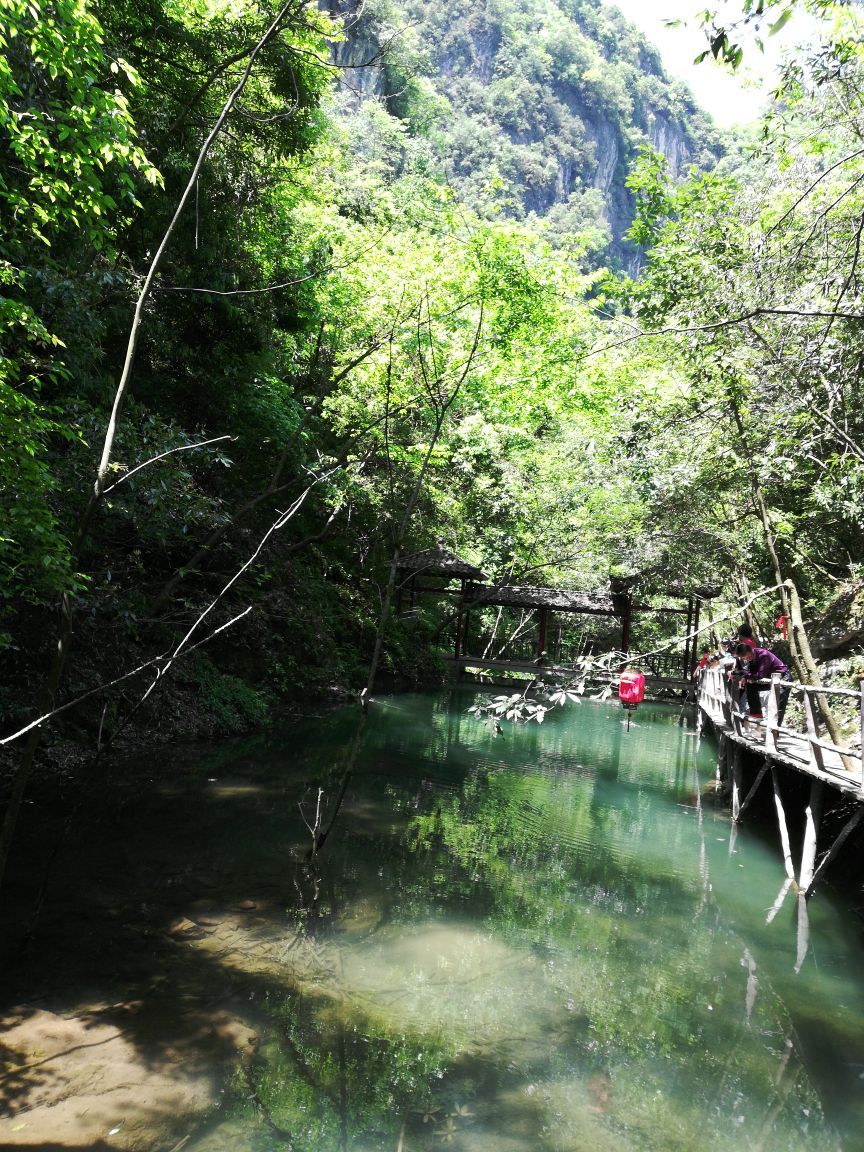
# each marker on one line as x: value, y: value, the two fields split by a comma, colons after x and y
x: 754, y: 788
x: 737, y: 782
x: 626, y: 621
x: 803, y: 933
x: 541, y: 632
x: 815, y: 754
x: 457, y: 644
x: 772, y: 713
x: 723, y: 760
x: 685, y: 670
x: 412, y: 590
x: 695, y: 644
x: 812, y: 818
x: 466, y: 631
x: 848, y: 828
x: 781, y: 821
x: 778, y: 903
x: 726, y: 704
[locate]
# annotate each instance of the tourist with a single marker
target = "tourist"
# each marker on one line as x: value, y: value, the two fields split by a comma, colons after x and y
x: 760, y: 664
x: 749, y: 699
x: 745, y: 636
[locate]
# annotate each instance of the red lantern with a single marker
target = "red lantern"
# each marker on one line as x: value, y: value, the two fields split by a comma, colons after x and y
x: 631, y: 691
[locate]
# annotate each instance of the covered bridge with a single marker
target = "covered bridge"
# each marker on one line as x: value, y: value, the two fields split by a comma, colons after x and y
x: 547, y: 613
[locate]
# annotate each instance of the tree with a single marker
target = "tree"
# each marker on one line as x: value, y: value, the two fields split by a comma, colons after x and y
x: 69, y: 162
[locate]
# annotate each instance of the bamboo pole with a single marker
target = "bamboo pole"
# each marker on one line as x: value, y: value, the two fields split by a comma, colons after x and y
x: 755, y: 787
x: 781, y: 822
x: 812, y: 818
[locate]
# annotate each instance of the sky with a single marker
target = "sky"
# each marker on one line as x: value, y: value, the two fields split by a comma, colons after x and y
x: 729, y: 99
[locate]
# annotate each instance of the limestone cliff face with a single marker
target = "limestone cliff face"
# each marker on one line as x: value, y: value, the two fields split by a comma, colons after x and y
x: 669, y: 138
x: 547, y: 100
x: 359, y: 56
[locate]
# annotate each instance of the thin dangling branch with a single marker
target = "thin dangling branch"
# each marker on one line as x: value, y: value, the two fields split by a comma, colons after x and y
x: 54, y: 676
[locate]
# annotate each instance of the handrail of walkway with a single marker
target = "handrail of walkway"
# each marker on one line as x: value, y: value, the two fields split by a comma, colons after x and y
x: 806, y: 744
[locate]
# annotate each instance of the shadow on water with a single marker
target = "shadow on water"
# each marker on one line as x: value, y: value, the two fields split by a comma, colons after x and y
x: 539, y: 940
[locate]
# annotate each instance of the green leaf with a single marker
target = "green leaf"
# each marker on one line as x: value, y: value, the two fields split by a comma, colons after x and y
x: 781, y: 21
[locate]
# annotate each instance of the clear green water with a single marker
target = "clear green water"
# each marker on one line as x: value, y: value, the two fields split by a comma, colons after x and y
x: 543, y: 940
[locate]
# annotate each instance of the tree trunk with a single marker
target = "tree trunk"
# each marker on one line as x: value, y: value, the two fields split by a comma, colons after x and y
x: 805, y: 666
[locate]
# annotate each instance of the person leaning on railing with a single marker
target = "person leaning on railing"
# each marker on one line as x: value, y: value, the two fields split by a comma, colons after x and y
x: 749, y: 700
x: 760, y: 664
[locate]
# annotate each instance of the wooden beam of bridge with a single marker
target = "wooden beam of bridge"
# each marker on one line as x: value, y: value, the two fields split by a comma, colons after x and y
x: 807, y: 752
x: 780, y: 746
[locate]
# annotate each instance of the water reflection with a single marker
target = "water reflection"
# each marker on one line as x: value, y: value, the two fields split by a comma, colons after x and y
x: 548, y: 939
x: 557, y: 949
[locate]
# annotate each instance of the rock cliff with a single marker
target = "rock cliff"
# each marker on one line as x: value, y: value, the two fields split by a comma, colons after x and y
x: 533, y: 106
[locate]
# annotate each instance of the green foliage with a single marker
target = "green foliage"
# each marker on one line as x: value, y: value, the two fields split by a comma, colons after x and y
x: 69, y: 161
x: 535, y: 99
x: 727, y: 38
x: 232, y: 703
x: 66, y: 134
x: 649, y: 182
x: 356, y: 321
x: 759, y: 279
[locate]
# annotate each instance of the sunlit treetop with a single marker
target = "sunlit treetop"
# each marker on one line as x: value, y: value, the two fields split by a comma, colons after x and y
x: 729, y: 39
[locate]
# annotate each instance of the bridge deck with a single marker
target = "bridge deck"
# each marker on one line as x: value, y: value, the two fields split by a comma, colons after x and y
x: 808, y: 751
x: 655, y: 686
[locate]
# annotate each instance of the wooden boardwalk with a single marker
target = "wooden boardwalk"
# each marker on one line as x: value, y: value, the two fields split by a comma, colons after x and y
x: 669, y: 688
x: 807, y: 750
x: 799, y: 744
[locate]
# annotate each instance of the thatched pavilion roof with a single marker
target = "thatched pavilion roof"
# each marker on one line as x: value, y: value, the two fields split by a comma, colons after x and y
x: 558, y: 599
x: 439, y: 562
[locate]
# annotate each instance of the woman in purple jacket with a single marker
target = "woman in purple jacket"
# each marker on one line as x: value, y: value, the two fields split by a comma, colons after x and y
x: 760, y: 664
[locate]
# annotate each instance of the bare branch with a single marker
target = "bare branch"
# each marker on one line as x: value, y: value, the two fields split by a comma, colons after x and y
x: 161, y: 456
x: 730, y: 323
x: 283, y: 284
x: 816, y: 182
x: 146, y: 288
x: 118, y: 680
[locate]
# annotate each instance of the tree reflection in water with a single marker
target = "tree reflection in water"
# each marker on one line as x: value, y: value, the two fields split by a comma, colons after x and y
x: 527, y: 943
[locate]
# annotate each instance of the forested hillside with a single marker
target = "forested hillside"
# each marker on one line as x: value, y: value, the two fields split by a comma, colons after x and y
x: 332, y: 326
x: 535, y: 107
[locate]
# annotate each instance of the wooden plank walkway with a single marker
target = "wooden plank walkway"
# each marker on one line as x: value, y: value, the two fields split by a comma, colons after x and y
x: 808, y: 751
x: 656, y: 687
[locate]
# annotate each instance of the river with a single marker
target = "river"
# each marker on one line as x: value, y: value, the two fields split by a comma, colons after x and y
x: 546, y: 939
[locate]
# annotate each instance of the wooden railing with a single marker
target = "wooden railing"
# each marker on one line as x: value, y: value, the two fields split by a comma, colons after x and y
x: 804, y: 740
x: 522, y: 650
x: 664, y: 664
